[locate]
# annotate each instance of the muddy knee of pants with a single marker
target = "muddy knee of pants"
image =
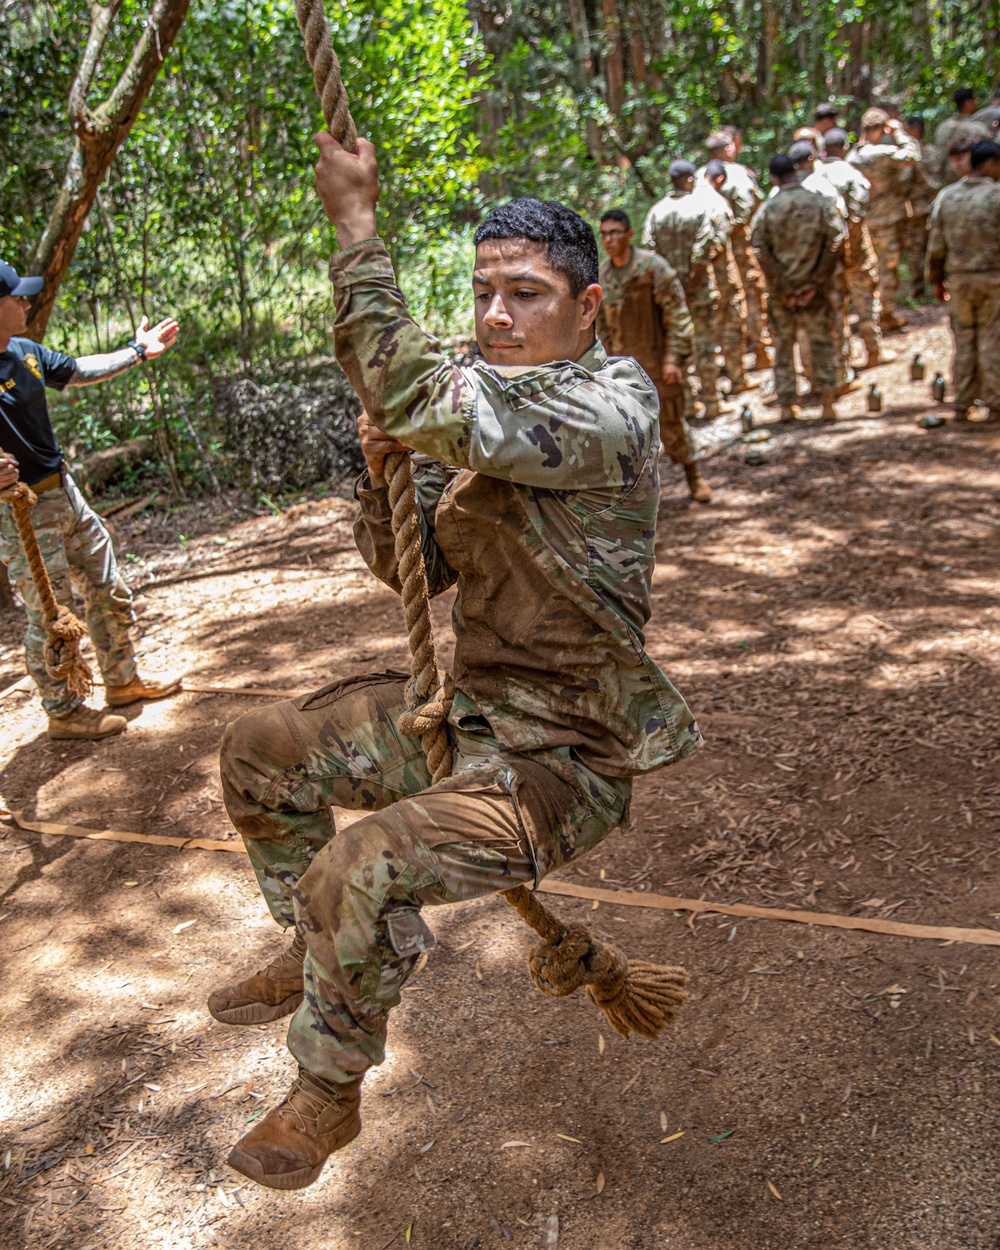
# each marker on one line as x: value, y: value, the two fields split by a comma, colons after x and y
x: 257, y: 749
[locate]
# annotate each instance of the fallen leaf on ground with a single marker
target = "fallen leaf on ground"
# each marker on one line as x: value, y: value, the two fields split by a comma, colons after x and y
x: 721, y: 1136
x: 774, y: 1190
x: 479, y: 971
x: 672, y: 1137
x: 574, y: 1139
x: 509, y: 1145
x: 179, y: 928
x: 600, y: 1043
x: 599, y: 1184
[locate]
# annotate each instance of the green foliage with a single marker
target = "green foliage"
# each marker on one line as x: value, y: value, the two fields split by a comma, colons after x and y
x: 209, y: 213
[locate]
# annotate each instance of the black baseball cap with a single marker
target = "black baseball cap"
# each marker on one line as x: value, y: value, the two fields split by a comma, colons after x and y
x: 12, y: 284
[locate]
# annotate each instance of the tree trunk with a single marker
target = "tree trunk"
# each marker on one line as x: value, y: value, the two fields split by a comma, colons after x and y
x: 6, y: 592
x: 585, y: 68
x: 100, y: 132
x: 614, y: 68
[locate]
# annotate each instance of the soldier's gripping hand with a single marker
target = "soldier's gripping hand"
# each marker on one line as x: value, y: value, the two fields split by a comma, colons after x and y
x: 376, y: 445
x: 8, y: 470
x: 348, y: 185
x: 672, y: 374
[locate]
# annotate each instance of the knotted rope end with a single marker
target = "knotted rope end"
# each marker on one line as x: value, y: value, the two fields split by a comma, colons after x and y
x: 636, y: 996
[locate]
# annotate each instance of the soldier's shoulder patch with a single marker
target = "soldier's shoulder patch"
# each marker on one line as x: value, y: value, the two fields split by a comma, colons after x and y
x: 31, y: 362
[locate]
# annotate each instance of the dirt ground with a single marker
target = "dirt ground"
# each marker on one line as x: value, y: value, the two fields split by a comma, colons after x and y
x: 833, y: 619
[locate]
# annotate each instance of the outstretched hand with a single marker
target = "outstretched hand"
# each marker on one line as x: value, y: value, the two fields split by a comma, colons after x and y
x: 159, y: 338
x: 348, y: 185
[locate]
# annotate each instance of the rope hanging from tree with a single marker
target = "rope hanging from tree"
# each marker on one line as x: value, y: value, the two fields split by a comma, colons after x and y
x: 636, y: 996
x: 63, y: 661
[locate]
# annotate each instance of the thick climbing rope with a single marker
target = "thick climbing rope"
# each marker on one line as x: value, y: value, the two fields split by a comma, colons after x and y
x: 61, y: 653
x: 636, y: 996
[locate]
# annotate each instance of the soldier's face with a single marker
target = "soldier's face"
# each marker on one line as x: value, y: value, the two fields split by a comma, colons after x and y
x: 13, y: 314
x: 525, y: 312
x: 615, y: 239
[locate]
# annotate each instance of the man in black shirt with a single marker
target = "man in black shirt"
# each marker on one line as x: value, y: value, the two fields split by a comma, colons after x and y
x: 70, y: 534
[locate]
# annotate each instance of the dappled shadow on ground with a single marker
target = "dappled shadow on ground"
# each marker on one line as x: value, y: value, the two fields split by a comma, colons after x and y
x: 833, y: 620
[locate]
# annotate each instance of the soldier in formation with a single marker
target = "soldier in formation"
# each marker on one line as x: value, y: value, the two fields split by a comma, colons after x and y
x: 688, y: 228
x: 731, y: 327
x: 886, y: 156
x: 644, y: 315
x: 798, y: 236
x: 963, y: 261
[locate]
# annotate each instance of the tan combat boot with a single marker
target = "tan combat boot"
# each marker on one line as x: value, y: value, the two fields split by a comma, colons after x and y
x: 139, y: 688
x: 829, y: 413
x: 700, y: 490
x: 877, y: 355
x: 85, y: 722
x: 288, y: 1148
x: 273, y: 992
x: 788, y: 414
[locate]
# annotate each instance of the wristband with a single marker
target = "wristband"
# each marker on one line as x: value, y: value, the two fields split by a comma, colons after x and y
x: 138, y: 348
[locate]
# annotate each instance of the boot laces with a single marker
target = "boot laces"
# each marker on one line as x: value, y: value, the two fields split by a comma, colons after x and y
x: 308, y: 1098
x: 287, y: 962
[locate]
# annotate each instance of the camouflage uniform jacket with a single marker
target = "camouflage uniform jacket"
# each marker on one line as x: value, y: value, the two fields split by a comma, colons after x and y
x: 851, y: 185
x: 688, y: 229
x: 958, y: 126
x: 820, y: 185
x: 797, y: 235
x: 644, y: 314
x: 545, y: 518
x: 740, y: 191
x: 965, y: 229
x: 886, y: 166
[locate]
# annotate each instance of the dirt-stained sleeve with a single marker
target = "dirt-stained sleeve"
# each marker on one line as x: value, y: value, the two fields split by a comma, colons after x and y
x: 373, y: 528
x: 675, y: 318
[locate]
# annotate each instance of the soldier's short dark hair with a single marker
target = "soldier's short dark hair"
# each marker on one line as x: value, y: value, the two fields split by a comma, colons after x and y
x: 962, y: 96
x: 983, y: 151
x: 572, y: 247
x: 826, y: 110
x: 715, y: 169
x: 916, y: 121
x: 835, y: 138
x: 780, y: 167
x: 961, y: 145
x: 617, y: 214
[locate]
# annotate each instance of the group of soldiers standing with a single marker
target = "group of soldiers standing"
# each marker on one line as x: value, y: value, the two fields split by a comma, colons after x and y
x: 722, y: 270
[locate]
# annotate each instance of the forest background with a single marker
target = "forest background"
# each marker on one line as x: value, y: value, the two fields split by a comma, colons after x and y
x: 207, y: 211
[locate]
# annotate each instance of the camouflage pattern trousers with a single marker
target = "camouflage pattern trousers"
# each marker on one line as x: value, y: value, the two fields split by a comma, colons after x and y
x: 754, y: 289
x: 974, y: 310
x: 356, y: 894
x: 675, y: 437
x: 915, y: 246
x: 818, y: 322
x: 703, y: 303
x: 731, y: 326
x: 860, y: 276
x: 888, y: 243
x: 73, y: 541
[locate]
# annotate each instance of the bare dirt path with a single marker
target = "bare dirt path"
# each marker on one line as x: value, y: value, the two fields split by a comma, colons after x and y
x: 834, y: 620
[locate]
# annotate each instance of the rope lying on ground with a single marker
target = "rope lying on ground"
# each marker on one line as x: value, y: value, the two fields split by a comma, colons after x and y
x: 636, y: 996
x: 63, y: 661
x: 569, y: 889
